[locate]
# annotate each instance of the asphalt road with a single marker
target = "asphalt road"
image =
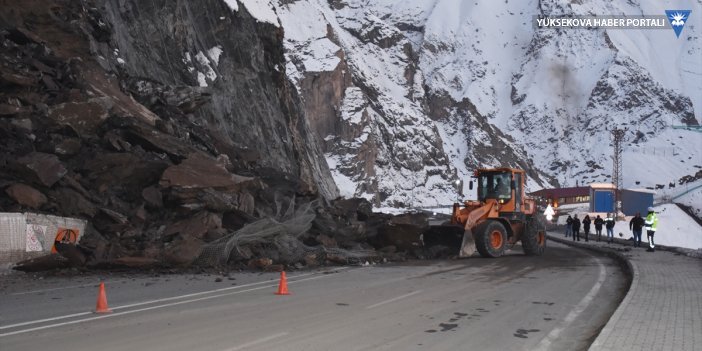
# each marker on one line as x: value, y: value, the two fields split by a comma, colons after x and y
x: 558, y: 301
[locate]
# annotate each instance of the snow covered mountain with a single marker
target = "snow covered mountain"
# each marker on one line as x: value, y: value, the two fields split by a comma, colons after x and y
x: 409, y: 95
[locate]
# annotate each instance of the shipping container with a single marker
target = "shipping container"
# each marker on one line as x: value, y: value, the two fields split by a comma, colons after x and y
x: 634, y: 201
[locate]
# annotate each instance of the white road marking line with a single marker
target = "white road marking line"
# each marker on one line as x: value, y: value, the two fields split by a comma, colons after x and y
x: 292, y: 279
x: 259, y: 341
x: 144, y: 303
x: 153, y: 307
x: 545, y: 343
x: 69, y: 287
x: 201, y: 293
x: 393, y: 299
x: 45, y: 320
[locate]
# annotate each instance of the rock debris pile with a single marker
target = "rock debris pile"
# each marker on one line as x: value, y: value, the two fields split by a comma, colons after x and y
x: 81, y: 137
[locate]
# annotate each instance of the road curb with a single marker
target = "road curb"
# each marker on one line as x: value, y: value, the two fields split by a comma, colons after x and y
x: 633, y: 271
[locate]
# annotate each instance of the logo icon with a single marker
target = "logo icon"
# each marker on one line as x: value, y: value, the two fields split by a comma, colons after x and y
x: 677, y: 19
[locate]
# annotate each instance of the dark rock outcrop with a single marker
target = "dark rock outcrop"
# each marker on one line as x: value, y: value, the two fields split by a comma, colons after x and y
x: 252, y: 105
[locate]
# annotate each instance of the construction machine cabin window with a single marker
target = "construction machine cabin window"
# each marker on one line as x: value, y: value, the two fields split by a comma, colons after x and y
x: 494, y: 186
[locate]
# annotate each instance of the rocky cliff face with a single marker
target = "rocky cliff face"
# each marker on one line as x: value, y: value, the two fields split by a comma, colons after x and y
x: 410, y: 95
x: 236, y: 61
x: 379, y: 141
x: 167, y: 125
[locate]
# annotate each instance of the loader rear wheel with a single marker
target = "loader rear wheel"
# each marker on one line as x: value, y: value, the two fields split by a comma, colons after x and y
x: 491, y: 239
x: 534, y: 238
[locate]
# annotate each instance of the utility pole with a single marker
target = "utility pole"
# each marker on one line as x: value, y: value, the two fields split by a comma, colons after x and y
x: 618, y: 135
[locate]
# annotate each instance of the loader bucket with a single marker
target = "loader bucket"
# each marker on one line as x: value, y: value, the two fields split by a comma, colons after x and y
x: 467, y: 244
x: 443, y: 240
x: 454, y: 239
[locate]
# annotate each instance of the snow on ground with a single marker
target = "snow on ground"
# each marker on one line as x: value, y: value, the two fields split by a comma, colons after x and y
x: 446, y: 210
x: 689, y: 194
x: 675, y: 227
x: 666, y: 157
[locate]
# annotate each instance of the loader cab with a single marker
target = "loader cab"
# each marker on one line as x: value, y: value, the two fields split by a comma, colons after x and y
x: 500, y: 184
x: 495, y: 185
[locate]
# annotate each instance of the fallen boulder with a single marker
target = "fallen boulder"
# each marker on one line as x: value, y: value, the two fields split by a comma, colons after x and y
x: 44, y: 168
x: 42, y: 263
x: 201, y: 171
x: 75, y: 256
x: 84, y: 117
x: 25, y: 195
x: 124, y: 169
x: 72, y: 203
x: 183, y: 252
x: 403, y: 231
x: 196, y: 226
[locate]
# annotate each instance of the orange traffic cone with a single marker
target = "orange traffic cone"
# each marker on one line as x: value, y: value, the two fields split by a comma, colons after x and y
x: 102, y: 300
x: 283, y: 285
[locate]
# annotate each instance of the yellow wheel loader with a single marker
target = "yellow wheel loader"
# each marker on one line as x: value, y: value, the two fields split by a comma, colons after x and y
x: 501, y: 217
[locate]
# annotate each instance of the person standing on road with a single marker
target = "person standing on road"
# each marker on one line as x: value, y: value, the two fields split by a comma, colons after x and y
x: 569, y: 226
x: 609, y: 224
x: 598, y: 227
x: 636, y: 225
x: 586, y: 227
x: 576, y: 227
x: 651, y: 225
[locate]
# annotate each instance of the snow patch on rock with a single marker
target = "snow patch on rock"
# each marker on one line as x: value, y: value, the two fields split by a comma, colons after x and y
x: 233, y: 5
x: 214, y: 53
x: 262, y: 10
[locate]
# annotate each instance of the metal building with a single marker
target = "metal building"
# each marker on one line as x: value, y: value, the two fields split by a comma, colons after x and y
x: 636, y: 200
x: 602, y: 197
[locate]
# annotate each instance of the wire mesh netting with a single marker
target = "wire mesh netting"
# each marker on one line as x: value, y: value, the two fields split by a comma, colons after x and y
x: 281, y: 232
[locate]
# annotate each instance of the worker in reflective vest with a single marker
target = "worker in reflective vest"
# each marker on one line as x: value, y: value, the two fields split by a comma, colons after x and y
x: 651, y: 224
x: 609, y: 224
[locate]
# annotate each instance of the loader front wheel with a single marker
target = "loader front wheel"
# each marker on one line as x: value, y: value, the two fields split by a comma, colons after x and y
x: 491, y: 239
x: 534, y: 238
